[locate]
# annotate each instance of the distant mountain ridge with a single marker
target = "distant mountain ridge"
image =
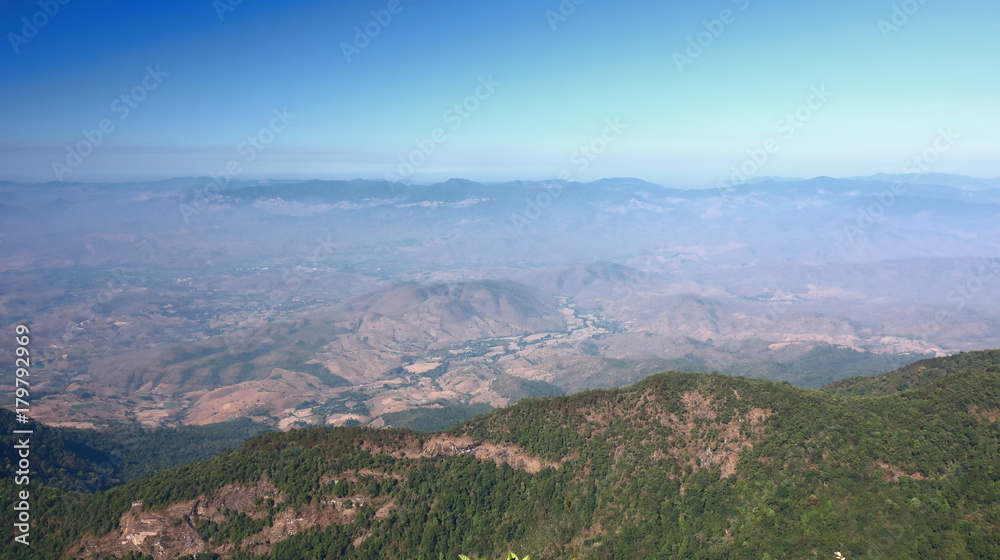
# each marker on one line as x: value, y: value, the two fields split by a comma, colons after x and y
x: 943, y: 179
x: 959, y: 181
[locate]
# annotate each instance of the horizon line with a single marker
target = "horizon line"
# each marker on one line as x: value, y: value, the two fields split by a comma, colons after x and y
x: 693, y: 186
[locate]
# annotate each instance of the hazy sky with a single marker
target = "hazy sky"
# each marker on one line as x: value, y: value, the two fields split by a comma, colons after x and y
x: 671, y: 92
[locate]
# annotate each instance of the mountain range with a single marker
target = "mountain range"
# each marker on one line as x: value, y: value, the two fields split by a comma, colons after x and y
x: 295, y: 303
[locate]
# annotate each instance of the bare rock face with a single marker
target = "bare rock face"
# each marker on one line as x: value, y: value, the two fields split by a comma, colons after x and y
x: 445, y: 445
x: 171, y: 532
x: 151, y: 532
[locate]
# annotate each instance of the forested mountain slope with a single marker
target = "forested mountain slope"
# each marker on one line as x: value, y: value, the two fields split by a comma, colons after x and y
x: 917, y: 374
x: 86, y: 460
x: 679, y: 465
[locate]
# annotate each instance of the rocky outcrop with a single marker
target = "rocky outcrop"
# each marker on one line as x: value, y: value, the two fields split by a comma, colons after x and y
x: 171, y: 532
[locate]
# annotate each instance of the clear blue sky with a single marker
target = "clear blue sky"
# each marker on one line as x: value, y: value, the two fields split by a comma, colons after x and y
x: 561, y: 80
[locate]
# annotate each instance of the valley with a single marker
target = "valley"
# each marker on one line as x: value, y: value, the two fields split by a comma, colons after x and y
x: 342, y: 303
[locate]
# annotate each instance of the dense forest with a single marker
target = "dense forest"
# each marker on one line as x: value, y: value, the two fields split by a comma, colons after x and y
x: 679, y: 465
x: 91, y: 460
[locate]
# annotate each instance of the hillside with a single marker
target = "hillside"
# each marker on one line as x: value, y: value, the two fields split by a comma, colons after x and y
x: 917, y: 374
x: 679, y: 465
x: 91, y: 460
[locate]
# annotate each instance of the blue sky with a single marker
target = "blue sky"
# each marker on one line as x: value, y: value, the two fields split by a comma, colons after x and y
x: 544, y: 89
